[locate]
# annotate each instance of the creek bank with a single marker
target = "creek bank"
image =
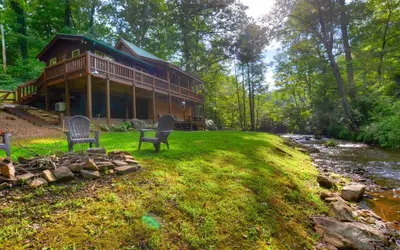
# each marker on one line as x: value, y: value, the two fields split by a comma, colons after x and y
x: 350, y: 224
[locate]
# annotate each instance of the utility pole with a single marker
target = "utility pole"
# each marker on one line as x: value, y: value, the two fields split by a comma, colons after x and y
x: 3, y: 44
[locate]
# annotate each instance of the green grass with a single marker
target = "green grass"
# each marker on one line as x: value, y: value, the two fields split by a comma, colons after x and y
x: 211, y: 190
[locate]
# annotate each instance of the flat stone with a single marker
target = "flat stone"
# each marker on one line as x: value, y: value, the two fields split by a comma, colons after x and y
x: 126, y: 169
x: 7, y: 170
x: 342, y: 211
x: 324, y: 181
x: 24, y: 178
x: 103, y: 166
x: 338, y: 241
x: 96, y: 150
x: 49, y: 176
x: 128, y: 157
x: 118, y: 152
x: 120, y: 163
x: 90, y: 165
x: 90, y: 174
x: 353, y: 192
x: 38, y: 182
x: 76, y: 168
x: 325, y: 194
x: 4, y: 185
x: 129, y: 161
x: 63, y: 174
x: 355, y: 234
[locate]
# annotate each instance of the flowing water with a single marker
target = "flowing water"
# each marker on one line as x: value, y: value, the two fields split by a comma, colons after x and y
x: 377, y: 168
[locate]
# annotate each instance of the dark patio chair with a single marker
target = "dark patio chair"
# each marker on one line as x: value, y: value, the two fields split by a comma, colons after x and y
x: 5, y: 143
x: 164, y: 128
x: 79, y: 132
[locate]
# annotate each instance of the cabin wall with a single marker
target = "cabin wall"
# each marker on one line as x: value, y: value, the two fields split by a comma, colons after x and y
x: 62, y: 50
x: 162, y: 108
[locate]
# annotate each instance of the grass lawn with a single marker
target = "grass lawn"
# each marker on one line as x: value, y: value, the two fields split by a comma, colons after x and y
x: 211, y: 190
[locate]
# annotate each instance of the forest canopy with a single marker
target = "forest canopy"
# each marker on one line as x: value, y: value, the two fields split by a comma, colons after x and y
x: 336, y: 72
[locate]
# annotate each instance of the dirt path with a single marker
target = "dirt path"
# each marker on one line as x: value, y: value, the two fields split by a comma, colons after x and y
x: 22, y: 129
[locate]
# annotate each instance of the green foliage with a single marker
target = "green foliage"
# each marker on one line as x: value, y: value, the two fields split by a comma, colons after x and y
x: 122, y: 127
x: 384, y: 128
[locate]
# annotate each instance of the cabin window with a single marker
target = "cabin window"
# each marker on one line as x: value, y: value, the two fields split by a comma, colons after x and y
x: 98, y: 53
x: 76, y: 52
x: 53, y: 61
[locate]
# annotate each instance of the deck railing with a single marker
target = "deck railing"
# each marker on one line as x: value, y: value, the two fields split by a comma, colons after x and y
x: 101, y: 66
x: 119, y: 71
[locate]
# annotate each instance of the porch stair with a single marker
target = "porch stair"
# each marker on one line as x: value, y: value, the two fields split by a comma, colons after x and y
x: 21, y: 112
x: 28, y: 92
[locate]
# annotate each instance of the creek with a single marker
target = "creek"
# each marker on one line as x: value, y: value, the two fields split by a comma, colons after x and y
x: 378, y: 169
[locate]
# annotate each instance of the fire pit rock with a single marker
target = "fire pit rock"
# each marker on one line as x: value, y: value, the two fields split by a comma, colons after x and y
x: 40, y: 171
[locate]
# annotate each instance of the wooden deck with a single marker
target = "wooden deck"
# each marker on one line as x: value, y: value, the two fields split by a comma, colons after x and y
x: 90, y: 64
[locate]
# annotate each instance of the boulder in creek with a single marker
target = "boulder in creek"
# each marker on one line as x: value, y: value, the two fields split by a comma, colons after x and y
x: 353, y: 192
x: 325, y: 182
x: 349, y: 235
x: 342, y: 211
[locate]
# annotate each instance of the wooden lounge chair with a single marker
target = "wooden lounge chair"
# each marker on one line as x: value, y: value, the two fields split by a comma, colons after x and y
x: 79, y: 132
x: 5, y: 143
x: 164, y: 128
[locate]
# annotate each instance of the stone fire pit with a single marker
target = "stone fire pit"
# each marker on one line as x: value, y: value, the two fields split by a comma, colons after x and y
x: 39, y: 171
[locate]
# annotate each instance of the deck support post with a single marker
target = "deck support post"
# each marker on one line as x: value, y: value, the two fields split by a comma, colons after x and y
x: 134, y: 101
x: 89, y: 97
x: 47, y: 97
x: 67, y: 99
x: 169, y: 92
x: 154, y: 100
x: 108, y: 103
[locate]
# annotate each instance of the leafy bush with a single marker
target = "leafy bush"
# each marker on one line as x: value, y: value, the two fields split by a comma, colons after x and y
x: 384, y: 128
x: 122, y: 127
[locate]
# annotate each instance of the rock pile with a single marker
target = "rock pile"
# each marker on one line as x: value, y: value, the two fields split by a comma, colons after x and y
x: 39, y: 171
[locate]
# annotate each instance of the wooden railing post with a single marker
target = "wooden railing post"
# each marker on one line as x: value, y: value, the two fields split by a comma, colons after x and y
x: 169, y: 92
x: 88, y: 62
x: 108, y: 103
x: 154, y: 99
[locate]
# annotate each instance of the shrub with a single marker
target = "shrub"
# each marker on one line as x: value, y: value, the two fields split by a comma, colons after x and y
x: 122, y: 127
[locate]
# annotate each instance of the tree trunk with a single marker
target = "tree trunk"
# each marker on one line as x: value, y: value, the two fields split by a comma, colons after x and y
x: 327, y: 40
x: 238, y: 99
x: 347, y: 49
x: 91, y: 20
x: 67, y: 17
x: 20, y: 14
x: 244, y: 99
x: 250, y: 98
x: 384, y: 41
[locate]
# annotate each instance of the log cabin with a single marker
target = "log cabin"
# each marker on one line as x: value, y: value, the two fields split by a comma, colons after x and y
x: 84, y: 76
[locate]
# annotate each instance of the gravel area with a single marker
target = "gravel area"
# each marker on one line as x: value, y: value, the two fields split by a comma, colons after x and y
x: 22, y: 129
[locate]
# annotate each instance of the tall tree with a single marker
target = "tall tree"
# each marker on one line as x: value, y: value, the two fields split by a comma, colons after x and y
x: 344, y: 23
x: 18, y: 7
